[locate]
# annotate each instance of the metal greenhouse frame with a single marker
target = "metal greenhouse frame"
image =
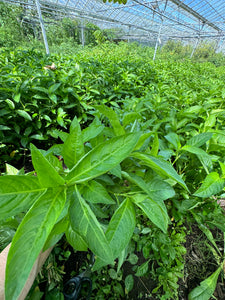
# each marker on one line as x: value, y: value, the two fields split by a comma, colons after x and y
x: 151, y: 22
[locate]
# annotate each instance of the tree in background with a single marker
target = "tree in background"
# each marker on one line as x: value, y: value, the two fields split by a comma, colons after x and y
x: 11, y: 32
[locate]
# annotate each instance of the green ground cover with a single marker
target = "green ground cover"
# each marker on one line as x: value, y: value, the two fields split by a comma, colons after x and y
x: 142, y: 159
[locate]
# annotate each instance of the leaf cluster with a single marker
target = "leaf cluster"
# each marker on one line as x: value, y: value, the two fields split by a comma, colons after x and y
x: 146, y: 147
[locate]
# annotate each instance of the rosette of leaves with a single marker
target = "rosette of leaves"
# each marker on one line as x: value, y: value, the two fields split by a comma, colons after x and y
x: 92, y: 195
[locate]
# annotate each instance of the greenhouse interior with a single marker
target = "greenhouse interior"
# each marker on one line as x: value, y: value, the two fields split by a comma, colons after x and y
x: 152, y: 23
x: 112, y: 149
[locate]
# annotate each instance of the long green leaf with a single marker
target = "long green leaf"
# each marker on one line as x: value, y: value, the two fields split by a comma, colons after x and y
x: 206, y: 288
x: 155, y: 145
x: 103, y: 158
x: 75, y: 240
x: 93, y: 130
x: 73, y: 148
x: 160, y: 166
x: 158, y: 190
x: 46, y: 173
x: 200, y: 139
x: 155, y: 211
x: 84, y: 222
x: 204, y: 157
x: 143, y: 142
x: 194, y: 150
x: 173, y: 138
x: 24, y: 114
x: 17, y: 194
x: 56, y: 233
x: 206, y: 231
x: 121, y: 227
x: 113, y: 118
x: 119, y: 230
x: 95, y: 192
x: 30, y: 239
x: 212, y: 185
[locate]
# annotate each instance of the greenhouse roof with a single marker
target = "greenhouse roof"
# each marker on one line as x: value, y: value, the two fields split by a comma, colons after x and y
x: 149, y: 20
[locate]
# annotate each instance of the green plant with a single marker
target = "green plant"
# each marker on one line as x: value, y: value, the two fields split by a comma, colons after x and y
x: 164, y: 257
x: 70, y: 200
x: 115, y: 90
x: 11, y: 32
x: 36, y: 102
x: 208, y: 217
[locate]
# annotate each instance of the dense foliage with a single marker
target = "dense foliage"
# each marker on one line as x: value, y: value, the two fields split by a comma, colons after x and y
x: 19, y: 28
x: 132, y: 152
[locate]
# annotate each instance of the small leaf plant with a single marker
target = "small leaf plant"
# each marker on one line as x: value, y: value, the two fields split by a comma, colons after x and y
x: 92, y: 195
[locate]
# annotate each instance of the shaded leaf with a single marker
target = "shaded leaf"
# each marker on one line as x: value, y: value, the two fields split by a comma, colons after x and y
x: 75, y: 240
x: 129, y: 283
x: 155, y: 211
x: 206, y: 231
x: 116, y: 171
x: 199, y: 139
x: 160, y: 166
x: 157, y: 189
x: 56, y: 234
x: 204, y: 158
x: 121, y: 227
x: 142, y: 269
x: 212, y: 185
x: 84, y: 222
x: 95, y: 192
x: 206, y: 288
x: 173, y: 138
x: 24, y: 114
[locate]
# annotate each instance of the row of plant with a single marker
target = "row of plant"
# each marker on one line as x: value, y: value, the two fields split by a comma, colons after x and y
x: 32, y: 92
x: 36, y: 101
x: 143, y: 160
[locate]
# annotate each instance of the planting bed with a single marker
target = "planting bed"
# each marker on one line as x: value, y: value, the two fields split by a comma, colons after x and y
x: 113, y: 154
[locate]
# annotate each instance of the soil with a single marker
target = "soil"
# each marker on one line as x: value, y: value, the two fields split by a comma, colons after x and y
x: 199, y: 264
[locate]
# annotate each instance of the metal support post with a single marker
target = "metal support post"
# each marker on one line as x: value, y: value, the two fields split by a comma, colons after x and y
x: 67, y: 2
x: 158, y: 40
x: 82, y: 33
x: 128, y: 40
x: 218, y: 42
x: 42, y: 26
x: 159, y: 33
x: 195, y: 47
x: 197, y: 42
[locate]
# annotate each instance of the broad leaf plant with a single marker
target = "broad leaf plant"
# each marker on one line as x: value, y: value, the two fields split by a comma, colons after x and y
x: 104, y: 177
